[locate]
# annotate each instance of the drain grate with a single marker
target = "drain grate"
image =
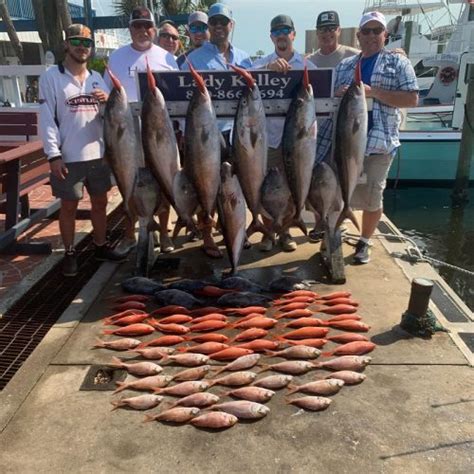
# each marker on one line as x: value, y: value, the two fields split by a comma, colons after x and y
x: 447, y: 306
x: 26, y: 323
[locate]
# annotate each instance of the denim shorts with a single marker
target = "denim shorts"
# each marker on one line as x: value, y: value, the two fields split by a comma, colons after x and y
x: 368, y: 196
x: 93, y: 174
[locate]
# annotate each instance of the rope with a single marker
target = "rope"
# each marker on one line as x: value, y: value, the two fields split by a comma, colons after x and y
x: 414, y: 254
x: 424, y: 326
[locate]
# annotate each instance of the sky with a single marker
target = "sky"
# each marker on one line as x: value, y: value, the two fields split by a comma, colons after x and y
x: 252, y: 18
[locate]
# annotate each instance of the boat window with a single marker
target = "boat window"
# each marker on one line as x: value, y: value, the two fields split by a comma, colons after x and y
x: 427, y: 121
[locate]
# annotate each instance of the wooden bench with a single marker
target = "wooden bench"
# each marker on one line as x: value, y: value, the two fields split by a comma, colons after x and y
x: 23, y: 168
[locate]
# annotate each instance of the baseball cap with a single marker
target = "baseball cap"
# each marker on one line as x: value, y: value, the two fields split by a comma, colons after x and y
x: 76, y: 30
x: 141, y: 14
x: 329, y: 18
x: 373, y: 16
x: 281, y: 20
x: 195, y: 17
x: 219, y: 9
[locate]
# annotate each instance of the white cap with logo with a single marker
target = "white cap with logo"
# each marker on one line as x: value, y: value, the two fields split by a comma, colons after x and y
x: 373, y: 16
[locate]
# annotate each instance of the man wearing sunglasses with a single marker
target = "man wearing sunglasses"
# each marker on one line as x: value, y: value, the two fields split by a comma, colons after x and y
x: 216, y: 55
x: 71, y: 129
x: 168, y: 37
x: 330, y: 52
x: 125, y: 62
x: 283, y: 58
x: 198, y: 33
x: 390, y: 80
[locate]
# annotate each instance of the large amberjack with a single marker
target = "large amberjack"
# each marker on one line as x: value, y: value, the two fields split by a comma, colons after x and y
x: 122, y: 145
x: 351, y: 142
x: 299, y: 144
x: 158, y: 137
x: 202, y: 157
x: 232, y: 214
x: 249, y: 147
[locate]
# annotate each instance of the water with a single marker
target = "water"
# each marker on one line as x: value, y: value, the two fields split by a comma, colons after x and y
x: 425, y: 215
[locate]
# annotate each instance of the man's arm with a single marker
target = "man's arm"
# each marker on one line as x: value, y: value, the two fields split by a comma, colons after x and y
x: 401, y: 99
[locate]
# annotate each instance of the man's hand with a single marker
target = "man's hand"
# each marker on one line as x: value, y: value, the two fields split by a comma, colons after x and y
x: 280, y: 65
x: 58, y: 168
x: 341, y: 91
x: 100, y: 95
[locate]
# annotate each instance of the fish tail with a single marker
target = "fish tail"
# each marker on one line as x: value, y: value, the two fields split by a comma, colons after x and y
x: 299, y: 222
x: 327, y: 354
x: 98, y: 343
x: 116, y: 404
x: 270, y: 353
x: 293, y: 388
x: 116, y: 362
x: 149, y: 418
x: 142, y: 345
x: 318, y: 365
x: 108, y: 331
x: 107, y: 322
x: 121, y: 386
x: 264, y: 368
x: 183, y: 349
x: 257, y: 226
x: 348, y: 213
x: 164, y: 358
x: 218, y: 370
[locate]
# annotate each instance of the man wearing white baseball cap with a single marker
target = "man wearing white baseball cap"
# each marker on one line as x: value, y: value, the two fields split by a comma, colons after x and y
x: 390, y: 80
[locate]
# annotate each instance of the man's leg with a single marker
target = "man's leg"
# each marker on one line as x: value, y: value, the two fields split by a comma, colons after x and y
x: 67, y: 222
x: 370, y: 220
x: 99, y: 218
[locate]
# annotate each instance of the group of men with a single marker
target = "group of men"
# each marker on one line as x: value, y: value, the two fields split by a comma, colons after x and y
x: 72, y: 130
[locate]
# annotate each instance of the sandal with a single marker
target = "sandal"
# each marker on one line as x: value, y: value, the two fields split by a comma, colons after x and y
x: 210, y: 251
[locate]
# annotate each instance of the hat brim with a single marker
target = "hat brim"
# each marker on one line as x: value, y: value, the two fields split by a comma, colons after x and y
x: 373, y: 19
x: 220, y: 14
x: 141, y: 20
x: 79, y: 37
x: 327, y: 24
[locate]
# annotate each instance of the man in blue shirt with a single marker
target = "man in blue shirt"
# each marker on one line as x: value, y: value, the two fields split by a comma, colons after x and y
x: 390, y: 81
x: 217, y: 54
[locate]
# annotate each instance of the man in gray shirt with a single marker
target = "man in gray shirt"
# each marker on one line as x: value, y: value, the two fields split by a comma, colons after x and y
x: 330, y: 52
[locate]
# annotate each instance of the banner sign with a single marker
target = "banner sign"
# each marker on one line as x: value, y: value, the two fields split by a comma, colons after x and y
x: 226, y: 87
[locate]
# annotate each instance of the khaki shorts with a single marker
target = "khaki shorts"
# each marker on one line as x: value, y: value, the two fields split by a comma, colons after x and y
x: 368, y: 196
x: 93, y: 174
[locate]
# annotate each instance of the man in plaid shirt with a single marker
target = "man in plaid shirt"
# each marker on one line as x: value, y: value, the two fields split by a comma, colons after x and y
x: 390, y: 80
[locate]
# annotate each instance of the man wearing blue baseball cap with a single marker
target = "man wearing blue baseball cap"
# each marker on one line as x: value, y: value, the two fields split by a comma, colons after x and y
x: 389, y: 79
x: 216, y: 55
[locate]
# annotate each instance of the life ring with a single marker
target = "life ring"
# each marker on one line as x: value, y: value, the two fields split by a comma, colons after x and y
x: 447, y: 75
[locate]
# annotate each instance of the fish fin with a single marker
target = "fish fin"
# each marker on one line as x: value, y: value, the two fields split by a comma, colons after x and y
x: 182, y: 349
x: 292, y: 387
x: 165, y: 358
x: 264, y: 368
x: 108, y: 331
x: 142, y: 345
x: 116, y: 404
x: 269, y: 353
x: 257, y: 226
x: 313, y: 130
x: 148, y: 418
x: 347, y: 212
x: 120, y: 132
x: 121, y: 386
x: 327, y: 354
x: 355, y: 126
x: 99, y: 343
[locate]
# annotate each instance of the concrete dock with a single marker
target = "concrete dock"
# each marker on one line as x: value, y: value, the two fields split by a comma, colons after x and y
x: 414, y: 412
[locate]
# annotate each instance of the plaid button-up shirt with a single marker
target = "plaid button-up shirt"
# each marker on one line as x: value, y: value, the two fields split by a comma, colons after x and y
x: 391, y: 72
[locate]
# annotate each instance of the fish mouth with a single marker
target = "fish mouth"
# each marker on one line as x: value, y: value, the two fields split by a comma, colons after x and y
x: 245, y: 74
x: 115, y: 81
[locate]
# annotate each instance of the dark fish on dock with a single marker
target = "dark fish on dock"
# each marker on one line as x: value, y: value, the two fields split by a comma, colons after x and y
x: 142, y: 285
x: 290, y: 283
x: 176, y: 297
x: 122, y: 145
x: 350, y: 142
x: 141, y: 402
x: 311, y: 403
x: 243, y: 299
x: 215, y: 420
x: 187, y: 285
x: 158, y: 137
x: 241, y: 284
x: 299, y: 144
x: 202, y: 158
x: 129, y: 305
x: 125, y: 298
x: 275, y: 198
x: 232, y: 214
x: 249, y: 147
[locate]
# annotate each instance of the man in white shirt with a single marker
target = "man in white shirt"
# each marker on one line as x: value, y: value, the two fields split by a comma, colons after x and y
x: 71, y: 129
x: 284, y: 58
x: 330, y: 52
x: 125, y: 62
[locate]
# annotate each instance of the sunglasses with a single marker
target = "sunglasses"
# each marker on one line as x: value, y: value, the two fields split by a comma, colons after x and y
x: 137, y: 25
x: 198, y: 28
x: 169, y: 36
x: 219, y: 21
x: 282, y: 31
x: 327, y: 29
x: 87, y: 43
x: 376, y: 31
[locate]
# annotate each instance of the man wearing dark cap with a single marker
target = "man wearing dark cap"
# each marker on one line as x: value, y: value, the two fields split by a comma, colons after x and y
x: 283, y: 58
x: 125, y: 62
x: 198, y: 33
x: 71, y: 129
x: 216, y: 55
x: 330, y: 52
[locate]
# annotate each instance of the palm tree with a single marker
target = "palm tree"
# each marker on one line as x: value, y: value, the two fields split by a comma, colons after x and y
x: 11, y: 32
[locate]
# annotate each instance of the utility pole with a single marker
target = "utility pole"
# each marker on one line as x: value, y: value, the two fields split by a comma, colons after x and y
x: 460, y: 196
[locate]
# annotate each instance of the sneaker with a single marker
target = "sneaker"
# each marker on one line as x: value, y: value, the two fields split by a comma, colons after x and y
x: 265, y: 244
x: 287, y: 243
x: 105, y: 253
x: 166, y: 244
x: 315, y: 235
x: 70, y: 268
x: 362, y: 253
